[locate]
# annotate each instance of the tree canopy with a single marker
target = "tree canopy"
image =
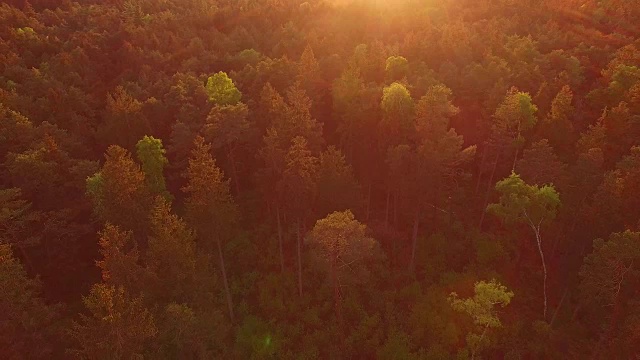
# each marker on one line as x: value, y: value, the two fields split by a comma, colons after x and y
x: 276, y: 179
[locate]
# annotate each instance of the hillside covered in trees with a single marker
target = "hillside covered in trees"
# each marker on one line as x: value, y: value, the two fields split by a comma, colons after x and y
x: 322, y: 179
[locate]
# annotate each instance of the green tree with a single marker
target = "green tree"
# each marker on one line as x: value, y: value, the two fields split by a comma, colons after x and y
x: 151, y: 155
x: 482, y: 309
x: 222, y: 90
x: 513, y: 117
x: 532, y: 205
x: 396, y: 68
x: 398, y: 109
x: 210, y: 209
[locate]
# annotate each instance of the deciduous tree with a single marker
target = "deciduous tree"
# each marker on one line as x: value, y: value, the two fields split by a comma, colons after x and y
x: 222, y: 90
x: 532, y: 205
x: 482, y: 309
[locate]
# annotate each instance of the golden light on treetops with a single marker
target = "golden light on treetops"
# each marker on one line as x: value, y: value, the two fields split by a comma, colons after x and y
x: 319, y: 179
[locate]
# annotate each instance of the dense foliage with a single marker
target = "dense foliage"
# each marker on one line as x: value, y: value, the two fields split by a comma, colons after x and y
x: 329, y: 179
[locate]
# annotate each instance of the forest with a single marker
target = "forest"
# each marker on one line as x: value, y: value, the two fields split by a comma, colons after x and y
x: 321, y: 179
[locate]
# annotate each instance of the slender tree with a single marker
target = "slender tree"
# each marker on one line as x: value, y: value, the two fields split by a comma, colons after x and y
x: 482, y: 309
x: 210, y: 209
x: 299, y: 188
x: 513, y: 117
x: 532, y: 205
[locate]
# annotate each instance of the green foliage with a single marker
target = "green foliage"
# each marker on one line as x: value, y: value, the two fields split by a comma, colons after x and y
x: 318, y: 92
x: 515, y: 115
x: 152, y: 156
x: 398, y: 108
x: 396, y: 68
x: 249, y: 56
x: 481, y: 307
x: 221, y: 89
x: 434, y: 110
x: 398, y: 346
x: 521, y: 202
x: 397, y: 102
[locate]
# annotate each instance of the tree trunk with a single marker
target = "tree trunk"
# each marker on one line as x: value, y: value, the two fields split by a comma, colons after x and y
x: 336, y: 288
x: 368, y: 202
x: 227, y: 292
x: 414, y: 240
x: 490, y: 186
x: 234, y: 170
x: 484, y: 157
x: 607, y: 332
x: 386, y: 212
x: 299, y: 259
x: 475, y: 349
x: 26, y: 260
x: 555, y: 313
x: 395, y: 209
x: 515, y: 159
x: 280, y: 238
x: 544, y: 269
